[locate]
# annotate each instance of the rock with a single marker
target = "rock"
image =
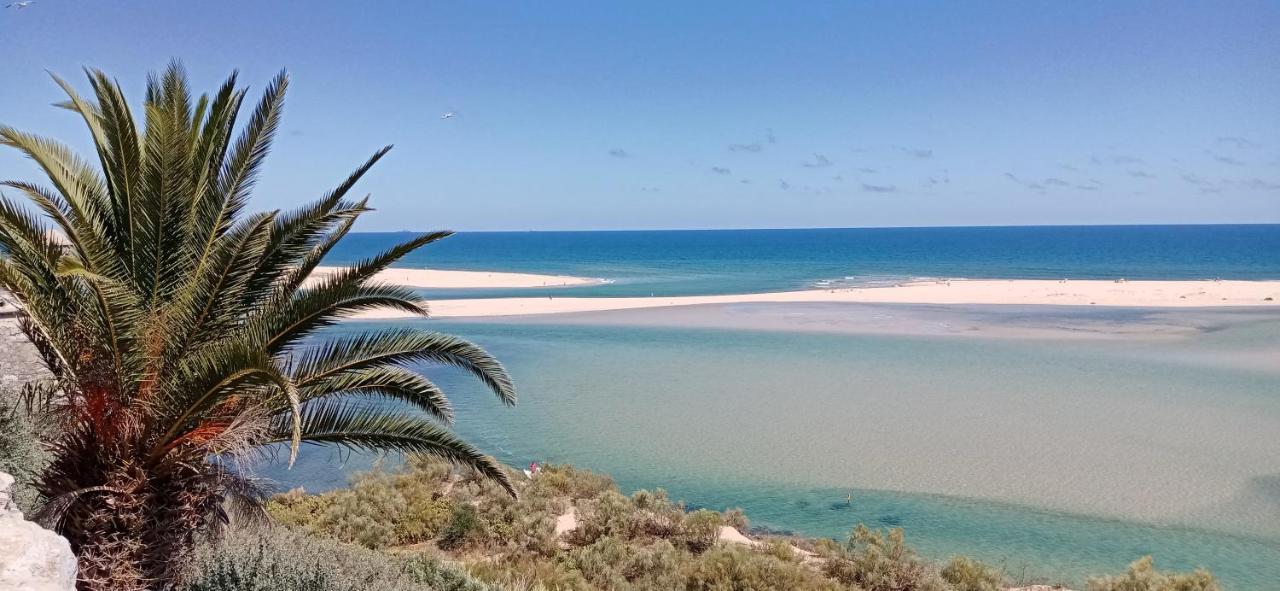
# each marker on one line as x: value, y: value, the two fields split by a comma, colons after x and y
x: 31, y: 558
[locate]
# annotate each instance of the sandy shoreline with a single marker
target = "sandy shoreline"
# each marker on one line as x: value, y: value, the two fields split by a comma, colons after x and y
x: 1140, y: 294
x: 442, y: 279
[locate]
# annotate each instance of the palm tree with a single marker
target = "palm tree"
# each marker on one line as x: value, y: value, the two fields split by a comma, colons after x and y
x: 183, y: 335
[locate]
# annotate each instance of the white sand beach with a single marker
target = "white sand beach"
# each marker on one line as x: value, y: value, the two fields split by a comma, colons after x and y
x: 1141, y: 294
x: 442, y: 279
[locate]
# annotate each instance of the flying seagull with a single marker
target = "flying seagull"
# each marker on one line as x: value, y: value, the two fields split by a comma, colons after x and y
x: 449, y: 115
x: 21, y: 5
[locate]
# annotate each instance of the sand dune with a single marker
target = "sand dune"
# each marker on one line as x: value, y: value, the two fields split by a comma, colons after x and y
x: 441, y: 279
x: 1144, y: 294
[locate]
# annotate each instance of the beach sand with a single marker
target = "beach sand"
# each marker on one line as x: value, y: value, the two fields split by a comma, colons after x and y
x: 1140, y: 294
x: 441, y: 279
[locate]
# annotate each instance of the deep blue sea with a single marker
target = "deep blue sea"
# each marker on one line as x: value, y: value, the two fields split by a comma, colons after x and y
x: 701, y: 262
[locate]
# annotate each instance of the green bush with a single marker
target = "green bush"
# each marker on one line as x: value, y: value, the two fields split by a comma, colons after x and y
x: 1143, y: 576
x: 780, y: 549
x: 736, y: 519
x: 379, y: 509
x: 299, y: 509
x: 464, y: 528
x: 726, y: 568
x: 21, y: 453
x: 612, y: 564
x: 966, y: 574
x: 280, y: 559
x: 569, y: 482
x: 882, y: 562
x: 699, y: 530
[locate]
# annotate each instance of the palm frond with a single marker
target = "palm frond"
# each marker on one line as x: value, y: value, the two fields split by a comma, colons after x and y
x: 362, y: 428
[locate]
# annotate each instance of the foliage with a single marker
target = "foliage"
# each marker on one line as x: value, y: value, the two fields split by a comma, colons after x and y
x: 734, y: 569
x: 642, y: 542
x: 22, y: 455
x: 1143, y: 576
x: 699, y: 530
x: 277, y: 559
x: 464, y: 527
x: 612, y: 564
x: 877, y: 561
x: 181, y: 329
x: 966, y: 574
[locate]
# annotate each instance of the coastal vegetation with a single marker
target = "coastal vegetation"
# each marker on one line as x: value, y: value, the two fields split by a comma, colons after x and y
x: 425, y: 516
x: 180, y: 335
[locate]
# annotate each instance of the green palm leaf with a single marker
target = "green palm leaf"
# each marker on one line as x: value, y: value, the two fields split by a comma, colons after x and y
x: 183, y: 332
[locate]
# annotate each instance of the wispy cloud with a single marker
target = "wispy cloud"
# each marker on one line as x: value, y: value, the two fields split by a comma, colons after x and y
x: 916, y: 152
x: 745, y: 181
x: 619, y: 153
x: 867, y: 170
x: 753, y: 148
x: 838, y: 178
x: 1197, y: 180
x: 819, y: 161
x: 769, y: 137
x: 721, y: 170
x: 1238, y: 142
x: 1260, y: 185
x: 1204, y: 185
x: 878, y: 188
x: 1034, y: 186
x: 1141, y: 174
x: 1056, y: 182
x: 1224, y: 159
x: 1116, y: 159
x: 783, y: 184
x: 1069, y: 167
x: 650, y: 190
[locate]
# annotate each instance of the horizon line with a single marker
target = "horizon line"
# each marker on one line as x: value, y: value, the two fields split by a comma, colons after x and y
x: 791, y: 228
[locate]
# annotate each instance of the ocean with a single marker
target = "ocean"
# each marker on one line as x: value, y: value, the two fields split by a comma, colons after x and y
x: 1057, y: 455
x: 704, y: 262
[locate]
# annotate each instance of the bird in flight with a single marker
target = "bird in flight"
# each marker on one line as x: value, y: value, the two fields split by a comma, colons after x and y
x: 20, y: 5
x: 449, y: 115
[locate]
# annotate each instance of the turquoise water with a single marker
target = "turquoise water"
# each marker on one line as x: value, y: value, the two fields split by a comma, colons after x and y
x: 1057, y: 458
x: 700, y: 262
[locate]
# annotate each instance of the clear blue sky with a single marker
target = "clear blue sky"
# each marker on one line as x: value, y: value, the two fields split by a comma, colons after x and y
x: 712, y: 115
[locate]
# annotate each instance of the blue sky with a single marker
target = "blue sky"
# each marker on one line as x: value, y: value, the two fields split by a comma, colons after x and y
x: 603, y: 115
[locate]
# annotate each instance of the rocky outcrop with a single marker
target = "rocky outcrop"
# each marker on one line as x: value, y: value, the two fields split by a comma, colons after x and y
x: 31, y: 558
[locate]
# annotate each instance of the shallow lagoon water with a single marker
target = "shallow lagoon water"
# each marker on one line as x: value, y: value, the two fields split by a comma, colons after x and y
x: 1060, y: 456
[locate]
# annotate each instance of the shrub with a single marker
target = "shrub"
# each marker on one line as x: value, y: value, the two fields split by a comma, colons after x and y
x: 298, y: 509
x: 612, y: 564
x: 780, y: 549
x: 22, y: 455
x: 438, y: 577
x: 1143, y: 576
x: 882, y: 562
x: 699, y: 530
x: 726, y: 568
x: 736, y: 519
x: 280, y: 559
x: 379, y: 509
x: 464, y: 527
x: 966, y: 574
x: 567, y: 481
x: 523, y: 573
